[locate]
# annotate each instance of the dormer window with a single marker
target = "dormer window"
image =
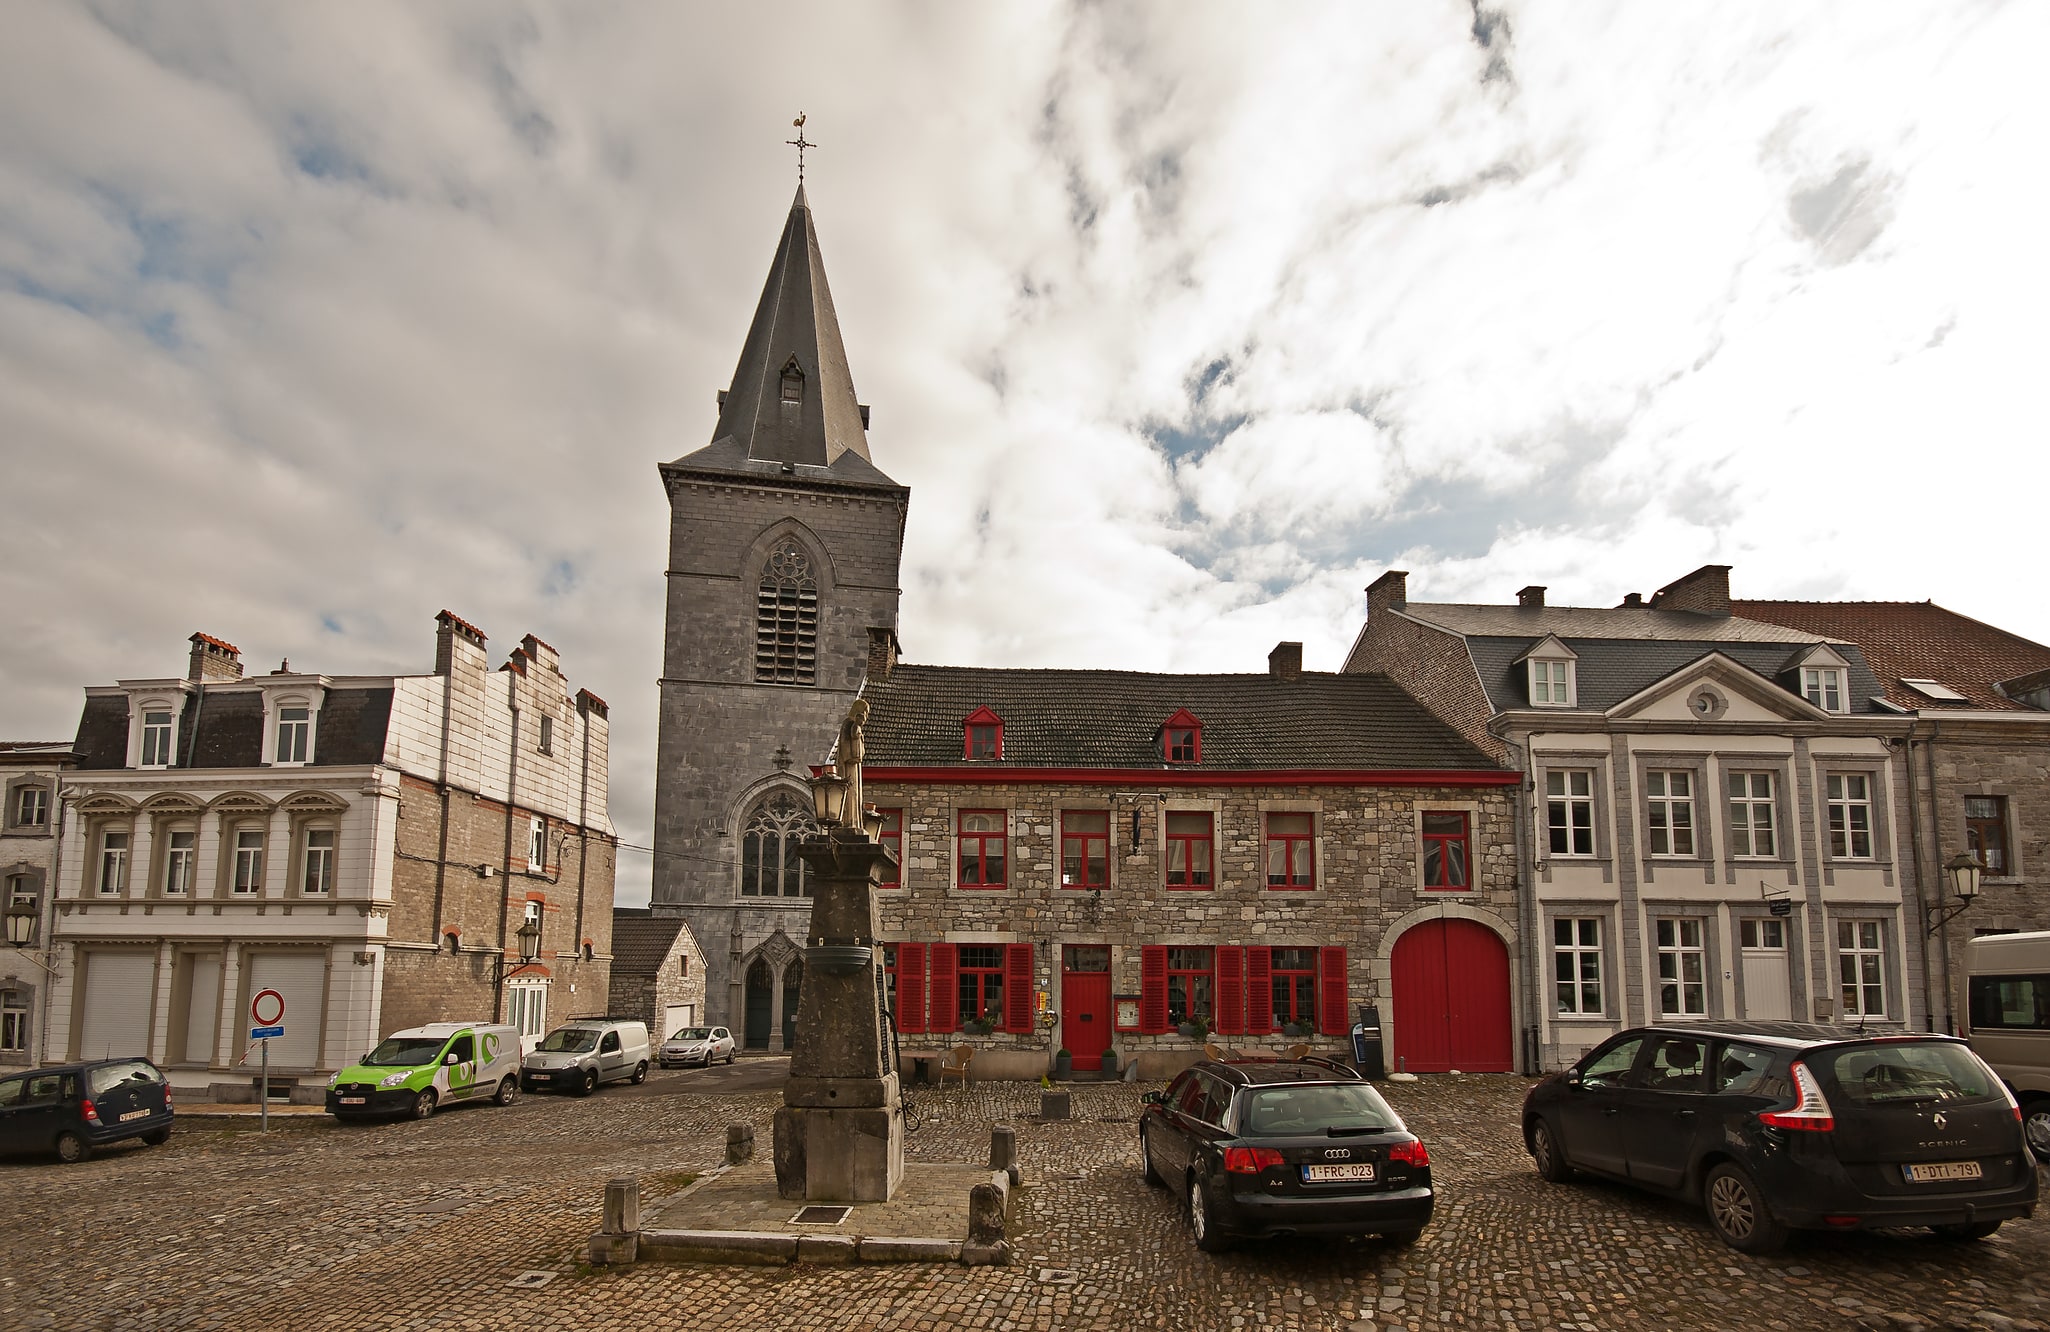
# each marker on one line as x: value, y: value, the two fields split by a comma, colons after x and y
x: 793, y: 383
x: 1824, y: 687
x: 1552, y: 682
x: 1181, y: 738
x: 156, y: 738
x: 982, y: 735
x: 295, y: 734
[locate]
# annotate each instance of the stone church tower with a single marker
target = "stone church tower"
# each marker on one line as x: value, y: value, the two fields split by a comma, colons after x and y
x: 784, y: 543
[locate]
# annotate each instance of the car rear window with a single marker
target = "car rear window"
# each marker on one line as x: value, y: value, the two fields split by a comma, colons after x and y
x: 1282, y: 1111
x: 109, y: 1076
x: 1906, y: 1072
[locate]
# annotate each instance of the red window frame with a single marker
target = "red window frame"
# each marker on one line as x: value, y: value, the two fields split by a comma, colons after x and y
x: 1181, y: 738
x: 1292, y: 845
x: 1181, y: 872
x: 1192, y: 987
x: 981, y: 840
x: 1077, y: 845
x: 893, y: 840
x: 983, y: 966
x: 991, y: 728
x: 1301, y: 985
x: 1442, y: 843
x: 1248, y: 1008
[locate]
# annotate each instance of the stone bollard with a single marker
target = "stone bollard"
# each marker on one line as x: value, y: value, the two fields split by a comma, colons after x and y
x: 985, y: 1214
x: 1053, y: 1105
x: 1003, y: 1151
x: 619, y: 1239
x: 740, y: 1143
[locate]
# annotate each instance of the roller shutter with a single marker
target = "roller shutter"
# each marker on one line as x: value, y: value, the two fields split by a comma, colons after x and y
x: 302, y: 979
x: 118, y: 989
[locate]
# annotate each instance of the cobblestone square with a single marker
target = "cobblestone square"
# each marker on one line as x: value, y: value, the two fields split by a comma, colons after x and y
x: 323, y: 1226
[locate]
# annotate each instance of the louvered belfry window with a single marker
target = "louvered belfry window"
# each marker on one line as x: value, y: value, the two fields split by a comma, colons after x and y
x: 787, y: 619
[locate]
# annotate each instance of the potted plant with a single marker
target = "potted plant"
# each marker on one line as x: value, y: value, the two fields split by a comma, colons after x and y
x: 1110, y: 1062
x: 1063, y: 1063
x: 1196, y: 1027
x: 982, y: 1024
x: 1296, y: 1029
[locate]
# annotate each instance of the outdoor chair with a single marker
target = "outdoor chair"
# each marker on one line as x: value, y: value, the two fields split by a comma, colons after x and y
x: 1212, y: 1050
x: 1296, y: 1051
x: 955, y: 1065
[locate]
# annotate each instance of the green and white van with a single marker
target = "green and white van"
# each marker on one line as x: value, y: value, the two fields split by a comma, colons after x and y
x: 413, y: 1072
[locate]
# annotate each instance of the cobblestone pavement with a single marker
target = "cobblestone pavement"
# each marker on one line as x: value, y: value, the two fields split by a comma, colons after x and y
x: 319, y: 1226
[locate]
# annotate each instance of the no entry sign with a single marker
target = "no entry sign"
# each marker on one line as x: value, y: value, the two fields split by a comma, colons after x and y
x: 266, y: 1015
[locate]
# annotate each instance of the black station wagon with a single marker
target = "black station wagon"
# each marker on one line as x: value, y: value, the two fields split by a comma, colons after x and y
x: 1298, y: 1147
x: 72, y: 1108
x: 1780, y: 1125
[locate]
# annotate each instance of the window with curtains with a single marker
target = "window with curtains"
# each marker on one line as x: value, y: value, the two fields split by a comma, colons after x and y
x: 1850, y: 815
x: 1986, y: 832
x: 1751, y: 815
x: 1191, y: 985
x: 1861, y: 968
x: 1292, y: 985
x: 979, y: 983
x: 1085, y: 848
x: 1291, y: 851
x: 180, y: 855
x: 1682, y: 967
x: 980, y: 842
x: 1669, y: 812
x: 1189, y: 844
x: 1446, y: 863
x: 1257, y: 989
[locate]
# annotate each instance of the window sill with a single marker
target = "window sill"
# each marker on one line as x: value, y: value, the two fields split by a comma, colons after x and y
x: 1582, y: 1017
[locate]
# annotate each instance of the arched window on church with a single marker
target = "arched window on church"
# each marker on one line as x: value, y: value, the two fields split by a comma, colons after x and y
x: 787, y: 618
x: 769, y: 866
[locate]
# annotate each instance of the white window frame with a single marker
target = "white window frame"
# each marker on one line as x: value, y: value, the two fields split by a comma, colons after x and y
x: 1669, y: 813
x: 1861, y: 953
x: 537, y: 844
x: 158, y: 739
x: 314, y: 853
x: 26, y: 793
x: 1745, y: 834
x: 1824, y: 687
x: 1673, y: 949
x: 1552, y: 682
x: 180, y: 862
x: 292, y: 743
x: 527, y: 1006
x: 1849, y: 815
x: 14, y: 1019
x: 546, y: 743
x: 112, y: 861
x: 1571, y: 960
x: 1569, y: 799
x: 245, y: 878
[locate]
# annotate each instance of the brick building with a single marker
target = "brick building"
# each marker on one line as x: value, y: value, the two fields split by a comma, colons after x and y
x: 1978, y: 759
x: 658, y: 971
x: 1716, y: 819
x: 29, y: 821
x: 368, y: 846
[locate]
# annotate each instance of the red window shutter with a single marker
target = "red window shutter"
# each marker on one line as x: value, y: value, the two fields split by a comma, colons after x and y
x: 1018, y: 987
x: 910, y: 987
x: 1231, y: 991
x: 1331, y: 995
x: 1259, y: 991
x: 1153, y: 988
x: 946, y: 990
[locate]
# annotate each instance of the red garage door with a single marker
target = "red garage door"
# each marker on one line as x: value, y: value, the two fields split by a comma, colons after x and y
x: 1451, y: 999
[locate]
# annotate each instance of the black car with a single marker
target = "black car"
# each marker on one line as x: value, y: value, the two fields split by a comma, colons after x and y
x: 1295, y: 1147
x: 72, y: 1108
x: 1780, y: 1125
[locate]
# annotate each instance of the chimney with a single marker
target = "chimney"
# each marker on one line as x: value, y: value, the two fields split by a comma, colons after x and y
x: 1388, y: 592
x: 1530, y: 598
x: 1633, y: 600
x: 590, y: 703
x: 1286, y: 661
x: 457, y: 637
x: 214, y: 660
x: 1706, y: 591
x: 882, y: 651
x: 542, y: 654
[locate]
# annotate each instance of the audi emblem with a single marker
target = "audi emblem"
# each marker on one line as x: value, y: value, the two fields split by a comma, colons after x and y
x: 1337, y: 1153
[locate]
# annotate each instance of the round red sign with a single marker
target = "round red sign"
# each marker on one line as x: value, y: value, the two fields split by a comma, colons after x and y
x: 267, y: 1008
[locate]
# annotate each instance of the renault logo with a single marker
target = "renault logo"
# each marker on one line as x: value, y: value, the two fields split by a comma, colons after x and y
x: 1939, y: 1119
x: 1337, y: 1153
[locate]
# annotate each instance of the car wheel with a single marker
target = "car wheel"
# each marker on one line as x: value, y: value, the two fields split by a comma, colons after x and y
x: 589, y: 1084
x: 2036, y: 1126
x: 1405, y: 1236
x: 1203, y: 1219
x: 508, y: 1090
x: 640, y: 1073
x: 1544, y: 1149
x: 157, y: 1137
x: 71, y: 1149
x: 1737, y: 1211
x: 423, y: 1104
x: 729, y: 1057
x: 1146, y: 1162
x: 1965, y: 1231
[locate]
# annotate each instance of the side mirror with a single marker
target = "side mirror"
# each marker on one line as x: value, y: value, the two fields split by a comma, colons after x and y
x: 1573, y: 1077
x: 450, y: 1058
x: 1154, y: 1098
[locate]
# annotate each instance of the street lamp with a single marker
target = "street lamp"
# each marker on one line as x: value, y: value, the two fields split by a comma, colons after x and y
x: 529, y: 936
x: 21, y: 921
x: 1964, y: 873
x: 829, y: 799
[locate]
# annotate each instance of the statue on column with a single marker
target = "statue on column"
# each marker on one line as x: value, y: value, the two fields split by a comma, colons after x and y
x: 847, y: 761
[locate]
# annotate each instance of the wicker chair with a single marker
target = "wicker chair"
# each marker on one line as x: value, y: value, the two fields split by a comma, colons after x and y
x: 1212, y: 1050
x: 955, y: 1065
x: 1296, y: 1051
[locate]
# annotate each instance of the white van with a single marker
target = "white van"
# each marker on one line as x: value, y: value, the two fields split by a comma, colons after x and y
x: 584, y: 1052
x: 2007, y: 993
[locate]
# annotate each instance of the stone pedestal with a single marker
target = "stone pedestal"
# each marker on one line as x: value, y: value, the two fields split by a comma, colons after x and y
x: 840, y: 1134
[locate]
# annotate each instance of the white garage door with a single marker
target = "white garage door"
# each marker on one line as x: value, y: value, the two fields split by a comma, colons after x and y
x: 202, y: 1008
x: 117, y: 999
x: 302, y: 979
x: 674, y: 1017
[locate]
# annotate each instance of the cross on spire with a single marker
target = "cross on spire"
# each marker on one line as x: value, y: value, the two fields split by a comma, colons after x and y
x: 800, y: 143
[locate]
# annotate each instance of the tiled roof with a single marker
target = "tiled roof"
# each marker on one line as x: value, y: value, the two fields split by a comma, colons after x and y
x: 1623, y: 622
x: 1917, y: 640
x: 641, y: 940
x: 1111, y: 719
x: 1607, y: 671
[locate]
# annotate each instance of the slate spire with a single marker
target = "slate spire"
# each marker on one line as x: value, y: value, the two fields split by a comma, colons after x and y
x: 792, y: 399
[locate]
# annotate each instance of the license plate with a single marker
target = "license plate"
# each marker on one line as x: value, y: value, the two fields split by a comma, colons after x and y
x: 541, y: 1077
x: 1322, y: 1173
x: 1941, y: 1170
x: 135, y: 1114
x: 352, y: 1100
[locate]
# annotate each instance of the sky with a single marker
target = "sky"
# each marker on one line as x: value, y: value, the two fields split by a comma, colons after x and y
x: 1183, y: 322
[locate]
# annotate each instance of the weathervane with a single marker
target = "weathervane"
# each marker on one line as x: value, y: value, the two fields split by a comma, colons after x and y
x: 800, y: 144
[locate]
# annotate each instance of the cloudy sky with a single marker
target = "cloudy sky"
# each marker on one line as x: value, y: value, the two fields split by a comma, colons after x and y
x: 1183, y: 322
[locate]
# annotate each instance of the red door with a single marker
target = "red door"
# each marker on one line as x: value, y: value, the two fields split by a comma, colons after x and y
x: 1085, y: 1016
x: 1451, y: 998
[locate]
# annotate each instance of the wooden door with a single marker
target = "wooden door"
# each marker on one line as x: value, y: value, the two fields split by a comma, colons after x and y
x: 1451, y: 999
x: 1085, y: 1016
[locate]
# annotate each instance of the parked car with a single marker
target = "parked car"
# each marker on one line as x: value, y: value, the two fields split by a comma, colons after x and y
x: 2008, y: 987
x: 414, y: 1072
x: 70, y: 1109
x: 1780, y: 1125
x: 585, y: 1052
x: 696, y: 1045
x: 1290, y: 1147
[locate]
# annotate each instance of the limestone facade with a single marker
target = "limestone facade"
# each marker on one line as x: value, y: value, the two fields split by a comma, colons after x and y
x: 30, y: 820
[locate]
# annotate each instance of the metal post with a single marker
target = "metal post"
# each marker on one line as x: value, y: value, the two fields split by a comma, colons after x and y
x: 263, y: 1109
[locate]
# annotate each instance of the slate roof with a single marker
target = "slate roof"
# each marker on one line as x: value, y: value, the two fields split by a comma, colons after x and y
x: 1112, y: 719
x: 1621, y: 622
x: 1917, y: 640
x: 641, y: 940
x: 1611, y: 670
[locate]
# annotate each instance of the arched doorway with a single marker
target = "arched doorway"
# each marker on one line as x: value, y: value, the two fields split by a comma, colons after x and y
x: 1451, y: 998
x: 793, y: 991
x: 761, y: 997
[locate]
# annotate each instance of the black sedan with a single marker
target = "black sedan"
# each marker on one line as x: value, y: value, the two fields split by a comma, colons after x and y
x: 1297, y: 1147
x: 1775, y: 1126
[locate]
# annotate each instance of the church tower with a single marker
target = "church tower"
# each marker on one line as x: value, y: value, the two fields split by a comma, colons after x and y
x: 784, y: 544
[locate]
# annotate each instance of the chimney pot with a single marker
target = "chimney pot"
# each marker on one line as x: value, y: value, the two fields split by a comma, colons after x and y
x: 214, y: 660
x: 882, y: 651
x: 1534, y: 595
x: 1633, y: 599
x: 1706, y: 591
x: 1285, y: 662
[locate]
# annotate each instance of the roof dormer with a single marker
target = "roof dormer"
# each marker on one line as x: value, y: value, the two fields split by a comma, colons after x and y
x: 1181, y: 738
x: 1821, y: 675
x: 1551, y: 674
x: 982, y: 735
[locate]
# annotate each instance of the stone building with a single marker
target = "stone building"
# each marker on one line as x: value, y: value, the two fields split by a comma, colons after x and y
x: 1716, y: 820
x: 1978, y: 761
x: 29, y: 821
x: 658, y: 971
x: 367, y: 846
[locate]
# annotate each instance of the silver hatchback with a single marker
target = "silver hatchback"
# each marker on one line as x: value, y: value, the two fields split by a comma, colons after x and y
x: 704, y: 1046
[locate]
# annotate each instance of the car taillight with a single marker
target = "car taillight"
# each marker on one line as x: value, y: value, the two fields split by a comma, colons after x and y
x: 1812, y: 1114
x: 1410, y: 1153
x: 92, y: 1113
x: 1250, y: 1160
x: 167, y: 1096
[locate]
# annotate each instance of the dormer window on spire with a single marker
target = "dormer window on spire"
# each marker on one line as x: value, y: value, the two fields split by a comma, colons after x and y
x: 793, y: 382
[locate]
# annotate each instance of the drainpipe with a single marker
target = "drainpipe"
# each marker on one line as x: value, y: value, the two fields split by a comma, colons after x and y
x: 584, y: 835
x: 1921, y: 863
x: 512, y: 788
x: 1936, y: 855
x: 48, y: 925
x: 1526, y: 893
x: 441, y: 790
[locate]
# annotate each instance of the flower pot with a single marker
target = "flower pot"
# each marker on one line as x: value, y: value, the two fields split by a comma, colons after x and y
x: 1063, y: 1065
x: 1187, y: 1029
x: 1110, y: 1063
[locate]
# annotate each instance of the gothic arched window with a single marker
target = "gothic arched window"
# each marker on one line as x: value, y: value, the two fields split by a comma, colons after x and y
x: 769, y: 866
x: 787, y: 618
